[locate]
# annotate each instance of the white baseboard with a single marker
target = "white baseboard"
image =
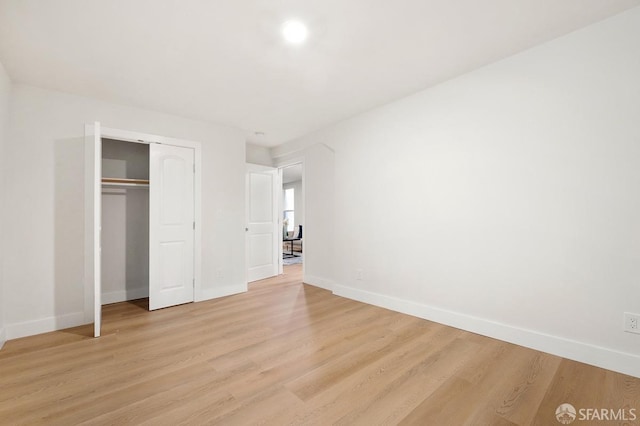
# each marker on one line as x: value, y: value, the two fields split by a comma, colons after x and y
x: 124, y: 295
x: 609, y: 359
x: 214, y: 293
x: 44, y: 325
x: 3, y: 337
x: 318, y: 282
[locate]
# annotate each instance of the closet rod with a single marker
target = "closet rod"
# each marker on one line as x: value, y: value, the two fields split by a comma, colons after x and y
x: 125, y: 181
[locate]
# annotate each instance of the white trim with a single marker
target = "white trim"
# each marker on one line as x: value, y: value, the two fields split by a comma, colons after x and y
x: 621, y: 362
x: 305, y: 226
x: 92, y: 230
x: 45, y: 325
x: 129, y: 136
x: 89, y: 218
x: 280, y: 204
x: 197, y: 217
x: 228, y: 290
x: 3, y: 337
x: 318, y: 282
x: 124, y: 295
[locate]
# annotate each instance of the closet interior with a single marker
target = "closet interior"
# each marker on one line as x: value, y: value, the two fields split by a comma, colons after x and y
x: 125, y: 221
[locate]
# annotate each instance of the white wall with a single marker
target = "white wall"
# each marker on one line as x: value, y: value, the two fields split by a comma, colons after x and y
x: 45, y: 202
x: 258, y: 155
x: 505, y: 201
x: 5, y: 91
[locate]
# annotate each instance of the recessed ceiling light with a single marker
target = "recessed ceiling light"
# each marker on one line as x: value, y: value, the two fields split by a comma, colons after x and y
x: 295, y: 32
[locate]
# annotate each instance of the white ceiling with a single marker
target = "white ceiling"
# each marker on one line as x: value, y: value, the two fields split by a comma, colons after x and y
x: 224, y: 61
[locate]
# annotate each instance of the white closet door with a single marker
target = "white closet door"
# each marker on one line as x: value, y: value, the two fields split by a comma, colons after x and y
x: 93, y: 228
x: 171, y: 226
x: 263, y: 234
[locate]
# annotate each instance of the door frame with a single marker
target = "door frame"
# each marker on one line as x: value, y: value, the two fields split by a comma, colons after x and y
x: 281, y: 166
x: 93, y: 185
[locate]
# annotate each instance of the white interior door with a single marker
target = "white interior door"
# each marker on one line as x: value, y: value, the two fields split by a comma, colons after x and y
x: 93, y: 228
x: 171, y: 225
x: 263, y: 234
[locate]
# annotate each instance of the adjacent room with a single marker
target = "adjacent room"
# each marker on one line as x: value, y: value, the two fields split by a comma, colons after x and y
x: 298, y: 212
x: 292, y: 215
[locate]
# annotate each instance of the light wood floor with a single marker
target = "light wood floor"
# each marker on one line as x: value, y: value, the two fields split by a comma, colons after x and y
x: 288, y: 353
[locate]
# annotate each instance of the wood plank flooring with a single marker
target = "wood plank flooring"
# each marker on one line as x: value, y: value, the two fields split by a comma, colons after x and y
x: 288, y: 353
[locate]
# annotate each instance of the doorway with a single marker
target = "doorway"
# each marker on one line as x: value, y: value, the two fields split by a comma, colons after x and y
x: 292, y: 214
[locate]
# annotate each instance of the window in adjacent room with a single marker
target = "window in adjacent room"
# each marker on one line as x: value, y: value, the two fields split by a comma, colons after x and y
x: 289, y: 212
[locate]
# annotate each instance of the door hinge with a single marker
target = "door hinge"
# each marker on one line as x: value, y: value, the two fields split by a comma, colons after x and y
x: 194, y: 225
x: 194, y: 168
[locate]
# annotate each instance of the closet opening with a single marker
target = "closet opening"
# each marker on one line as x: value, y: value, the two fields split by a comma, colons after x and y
x: 125, y: 221
x: 142, y: 220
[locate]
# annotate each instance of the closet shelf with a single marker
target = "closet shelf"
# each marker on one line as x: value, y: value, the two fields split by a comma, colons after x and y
x: 125, y: 182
